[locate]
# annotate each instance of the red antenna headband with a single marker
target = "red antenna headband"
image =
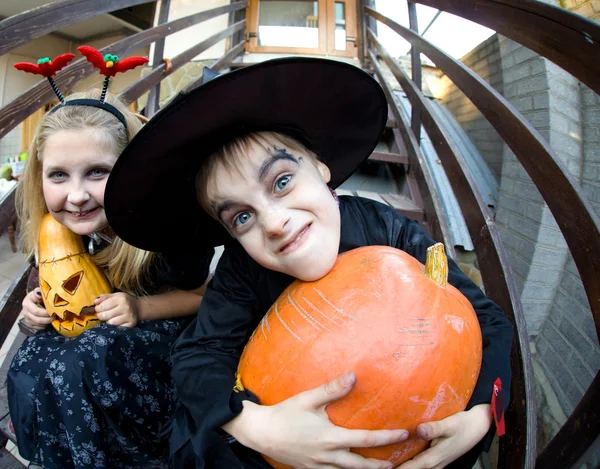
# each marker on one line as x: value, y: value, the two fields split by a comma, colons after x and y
x: 108, y: 64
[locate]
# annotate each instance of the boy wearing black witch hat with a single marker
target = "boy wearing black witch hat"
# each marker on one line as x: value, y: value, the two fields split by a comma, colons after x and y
x: 249, y: 160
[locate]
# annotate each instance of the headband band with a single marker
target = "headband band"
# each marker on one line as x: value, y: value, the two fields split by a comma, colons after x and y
x: 94, y: 103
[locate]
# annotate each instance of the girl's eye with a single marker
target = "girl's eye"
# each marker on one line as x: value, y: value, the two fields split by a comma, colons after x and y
x: 281, y: 183
x: 98, y: 172
x: 58, y: 175
x: 242, y: 218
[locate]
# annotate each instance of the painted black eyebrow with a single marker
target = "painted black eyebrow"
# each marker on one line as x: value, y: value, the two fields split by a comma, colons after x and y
x: 278, y: 154
x: 222, y: 207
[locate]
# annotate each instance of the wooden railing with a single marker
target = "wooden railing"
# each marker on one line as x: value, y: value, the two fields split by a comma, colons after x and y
x: 571, y: 42
x: 22, y: 28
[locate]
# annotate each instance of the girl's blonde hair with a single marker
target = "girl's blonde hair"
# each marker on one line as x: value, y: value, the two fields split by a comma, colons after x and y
x: 230, y: 154
x: 125, y: 265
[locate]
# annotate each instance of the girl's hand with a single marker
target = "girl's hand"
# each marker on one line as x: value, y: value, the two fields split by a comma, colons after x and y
x: 35, y: 315
x: 118, y: 309
x: 298, y: 432
x: 451, y: 437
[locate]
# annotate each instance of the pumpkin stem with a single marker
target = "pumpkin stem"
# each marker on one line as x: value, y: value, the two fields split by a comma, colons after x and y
x: 239, y: 387
x: 436, y: 264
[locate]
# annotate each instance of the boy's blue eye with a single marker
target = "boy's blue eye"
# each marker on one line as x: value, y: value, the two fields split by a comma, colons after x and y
x: 242, y: 218
x: 282, y: 183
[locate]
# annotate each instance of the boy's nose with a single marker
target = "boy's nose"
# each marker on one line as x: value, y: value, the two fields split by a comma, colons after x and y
x: 275, y: 222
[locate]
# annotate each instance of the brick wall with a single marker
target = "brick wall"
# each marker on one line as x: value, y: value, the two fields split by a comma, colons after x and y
x: 567, y: 344
x: 588, y: 8
x: 544, y: 95
x: 485, y: 61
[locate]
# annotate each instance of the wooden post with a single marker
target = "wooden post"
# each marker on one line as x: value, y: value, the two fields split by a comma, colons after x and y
x: 234, y: 17
x: 362, y: 33
x: 152, y: 105
x: 415, y: 54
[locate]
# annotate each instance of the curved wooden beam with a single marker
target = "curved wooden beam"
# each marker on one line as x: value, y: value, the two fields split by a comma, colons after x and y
x: 155, y: 76
x: 11, y: 302
x: 22, y: 107
x: 574, y: 215
x: 495, y: 270
x: 567, y: 39
x: 37, y: 22
x: 576, y: 435
x: 220, y: 64
x: 8, y: 212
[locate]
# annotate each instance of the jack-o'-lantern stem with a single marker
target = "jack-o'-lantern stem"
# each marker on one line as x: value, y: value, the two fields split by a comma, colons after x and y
x: 436, y: 264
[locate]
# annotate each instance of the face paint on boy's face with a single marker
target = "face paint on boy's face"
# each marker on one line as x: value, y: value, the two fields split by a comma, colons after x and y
x: 278, y: 206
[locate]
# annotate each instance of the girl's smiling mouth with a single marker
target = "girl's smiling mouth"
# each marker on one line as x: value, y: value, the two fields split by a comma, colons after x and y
x: 82, y: 213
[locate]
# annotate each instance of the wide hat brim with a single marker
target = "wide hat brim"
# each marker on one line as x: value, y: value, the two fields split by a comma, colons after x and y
x: 150, y: 199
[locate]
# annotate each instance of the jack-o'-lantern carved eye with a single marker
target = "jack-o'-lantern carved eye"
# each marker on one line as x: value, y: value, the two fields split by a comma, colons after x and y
x: 59, y: 301
x: 45, y: 287
x: 70, y: 285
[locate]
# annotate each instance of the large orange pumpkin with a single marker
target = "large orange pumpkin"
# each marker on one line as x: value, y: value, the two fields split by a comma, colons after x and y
x: 69, y: 279
x: 413, y: 341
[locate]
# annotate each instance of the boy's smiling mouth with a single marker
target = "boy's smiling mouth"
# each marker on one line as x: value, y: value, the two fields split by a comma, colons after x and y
x: 295, y: 241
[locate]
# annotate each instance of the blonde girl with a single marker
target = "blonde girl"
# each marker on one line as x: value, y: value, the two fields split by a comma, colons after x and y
x: 99, y: 399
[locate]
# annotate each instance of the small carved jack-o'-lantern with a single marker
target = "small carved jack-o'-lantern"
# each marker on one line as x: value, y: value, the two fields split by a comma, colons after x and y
x: 69, y: 279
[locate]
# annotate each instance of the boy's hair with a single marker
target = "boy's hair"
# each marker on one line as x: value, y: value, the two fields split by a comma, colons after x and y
x: 126, y: 266
x: 230, y: 153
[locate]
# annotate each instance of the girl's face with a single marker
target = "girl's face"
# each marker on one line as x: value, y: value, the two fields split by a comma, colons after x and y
x: 75, y: 167
x: 278, y: 206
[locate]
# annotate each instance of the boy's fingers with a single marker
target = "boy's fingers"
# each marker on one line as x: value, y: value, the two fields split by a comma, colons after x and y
x: 438, y: 429
x: 429, y: 431
x: 346, y: 459
x: 329, y: 392
x: 370, y: 438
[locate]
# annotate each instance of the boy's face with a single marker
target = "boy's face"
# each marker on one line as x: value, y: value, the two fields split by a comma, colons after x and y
x: 278, y: 206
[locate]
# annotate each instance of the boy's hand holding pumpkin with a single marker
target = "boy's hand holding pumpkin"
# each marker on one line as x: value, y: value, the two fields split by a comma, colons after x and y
x: 118, y: 309
x: 35, y: 315
x: 451, y: 437
x: 312, y: 441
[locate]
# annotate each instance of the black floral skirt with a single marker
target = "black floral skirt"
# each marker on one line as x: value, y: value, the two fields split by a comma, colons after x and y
x: 98, y: 400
